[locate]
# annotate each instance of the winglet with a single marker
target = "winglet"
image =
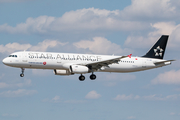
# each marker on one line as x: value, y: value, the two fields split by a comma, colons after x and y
x: 129, y: 55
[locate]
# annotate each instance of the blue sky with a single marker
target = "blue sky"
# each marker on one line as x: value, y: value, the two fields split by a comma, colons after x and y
x: 98, y: 27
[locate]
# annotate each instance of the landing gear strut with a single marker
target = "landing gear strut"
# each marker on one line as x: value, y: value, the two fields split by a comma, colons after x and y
x: 22, y: 74
x: 93, y: 76
x: 82, y: 77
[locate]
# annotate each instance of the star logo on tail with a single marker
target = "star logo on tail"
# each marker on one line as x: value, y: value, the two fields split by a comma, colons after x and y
x: 158, y: 51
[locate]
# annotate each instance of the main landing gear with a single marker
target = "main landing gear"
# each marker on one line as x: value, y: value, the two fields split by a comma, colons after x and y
x: 22, y: 74
x: 82, y: 77
x: 93, y: 76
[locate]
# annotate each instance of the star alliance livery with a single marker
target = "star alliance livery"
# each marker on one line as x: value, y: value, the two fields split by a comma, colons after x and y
x: 70, y: 64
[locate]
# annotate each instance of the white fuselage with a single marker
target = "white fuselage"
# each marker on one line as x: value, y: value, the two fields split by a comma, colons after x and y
x: 48, y: 60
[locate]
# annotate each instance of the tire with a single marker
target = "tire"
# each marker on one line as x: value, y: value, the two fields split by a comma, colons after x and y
x: 92, y: 77
x: 22, y: 75
x: 81, y: 78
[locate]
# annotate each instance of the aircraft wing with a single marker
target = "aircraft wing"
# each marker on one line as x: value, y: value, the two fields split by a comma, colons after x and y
x: 105, y: 63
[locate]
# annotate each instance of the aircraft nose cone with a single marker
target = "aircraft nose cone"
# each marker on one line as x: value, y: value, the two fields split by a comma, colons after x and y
x: 5, y: 61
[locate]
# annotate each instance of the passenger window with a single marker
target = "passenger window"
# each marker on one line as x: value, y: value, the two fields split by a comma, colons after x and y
x: 15, y: 55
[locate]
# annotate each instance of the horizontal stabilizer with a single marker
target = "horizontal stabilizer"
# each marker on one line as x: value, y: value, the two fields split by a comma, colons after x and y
x: 166, y: 61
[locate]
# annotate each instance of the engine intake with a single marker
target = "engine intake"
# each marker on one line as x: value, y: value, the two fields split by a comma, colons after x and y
x: 79, y: 69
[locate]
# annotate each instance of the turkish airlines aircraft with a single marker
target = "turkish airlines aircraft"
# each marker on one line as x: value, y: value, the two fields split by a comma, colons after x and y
x: 69, y: 63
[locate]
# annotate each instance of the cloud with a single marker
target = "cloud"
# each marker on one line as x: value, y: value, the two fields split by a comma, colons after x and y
x: 26, y: 82
x: 170, y: 77
x: 92, y: 95
x: 167, y: 28
x: 75, y: 101
x: 11, y: 47
x: 172, y: 113
x: 154, y: 97
x: 10, y: 115
x: 17, y: 93
x: 148, y: 97
x: 163, y: 28
x: 58, y: 99
x: 160, y: 28
x: 131, y: 117
x: 89, y: 19
x: 135, y: 17
x: 123, y: 97
x: 160, y: 17
x: 41, y: 46
x: 161, y: 98
x: 175, y: 41
x: 153, y: 9
x: 99, y: 45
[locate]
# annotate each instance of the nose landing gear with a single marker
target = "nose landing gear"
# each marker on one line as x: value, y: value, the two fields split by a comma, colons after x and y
x: 22, y: 74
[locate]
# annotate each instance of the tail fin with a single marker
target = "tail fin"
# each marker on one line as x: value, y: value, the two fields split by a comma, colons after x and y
x: 158, y: 50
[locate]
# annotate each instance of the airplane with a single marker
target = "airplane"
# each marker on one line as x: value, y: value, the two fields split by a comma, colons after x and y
x: 70, y: 64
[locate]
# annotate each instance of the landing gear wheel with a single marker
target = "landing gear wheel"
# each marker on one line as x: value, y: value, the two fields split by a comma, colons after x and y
x: 93, y: 77
x: 81, y: 78
x: 22, y: 75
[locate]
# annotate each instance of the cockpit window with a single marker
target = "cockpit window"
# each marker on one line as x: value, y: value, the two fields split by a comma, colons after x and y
x: 12, y: 55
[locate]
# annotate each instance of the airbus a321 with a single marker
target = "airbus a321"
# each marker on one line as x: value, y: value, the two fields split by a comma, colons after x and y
x: 70, y: 64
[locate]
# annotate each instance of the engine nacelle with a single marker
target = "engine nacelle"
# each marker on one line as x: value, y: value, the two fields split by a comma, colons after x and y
x: 62, y: 72
x: 79, y: 69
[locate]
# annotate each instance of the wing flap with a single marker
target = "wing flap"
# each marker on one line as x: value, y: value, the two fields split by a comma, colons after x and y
x: 97, y: 65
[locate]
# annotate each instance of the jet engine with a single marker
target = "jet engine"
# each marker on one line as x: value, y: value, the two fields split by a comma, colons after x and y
x: 79, y: 69
x: 62, y: 72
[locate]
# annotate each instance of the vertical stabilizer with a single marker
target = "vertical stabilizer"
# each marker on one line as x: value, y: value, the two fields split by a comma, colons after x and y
x: 158, y: 50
